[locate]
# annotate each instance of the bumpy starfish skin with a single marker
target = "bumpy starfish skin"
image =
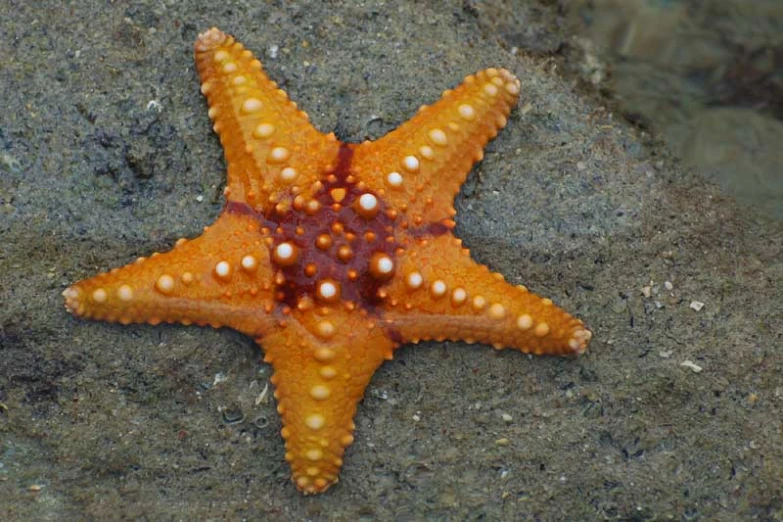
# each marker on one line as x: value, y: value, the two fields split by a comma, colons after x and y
x: 331, y: 255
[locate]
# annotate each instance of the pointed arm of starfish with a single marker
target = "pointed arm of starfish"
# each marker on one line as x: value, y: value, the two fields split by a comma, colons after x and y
x: 217, y: 279
x: 443, y: 294
x: 421, y: 165
x: 322, y: 366
x: 272, y: 151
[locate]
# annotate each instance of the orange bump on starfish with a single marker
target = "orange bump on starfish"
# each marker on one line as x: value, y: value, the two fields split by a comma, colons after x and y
x: 330, y: 254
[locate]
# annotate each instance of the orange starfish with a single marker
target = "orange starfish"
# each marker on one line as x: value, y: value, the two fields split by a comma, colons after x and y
x: 331, y: 255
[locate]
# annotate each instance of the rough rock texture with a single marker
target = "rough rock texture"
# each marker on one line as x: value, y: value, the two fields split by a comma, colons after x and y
x: 106, y: 153
x: 706, y: 74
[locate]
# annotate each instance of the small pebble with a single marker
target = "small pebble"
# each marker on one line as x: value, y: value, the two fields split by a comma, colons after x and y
x: 154, y: 105
x: 695, y: 368
x: 233, y: 414
x: 262, y: 397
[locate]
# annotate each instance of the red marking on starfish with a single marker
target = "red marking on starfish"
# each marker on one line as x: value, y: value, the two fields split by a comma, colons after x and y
x: 331, y: 255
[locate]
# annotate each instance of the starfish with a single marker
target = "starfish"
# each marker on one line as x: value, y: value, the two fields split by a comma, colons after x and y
x: 331, y: 255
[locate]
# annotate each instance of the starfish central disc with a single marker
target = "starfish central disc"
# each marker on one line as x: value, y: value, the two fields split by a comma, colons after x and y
x: 331, y: 237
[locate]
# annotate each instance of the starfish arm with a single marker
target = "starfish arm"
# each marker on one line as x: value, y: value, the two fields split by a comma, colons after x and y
x: 322, y: 366
x: 442, y: 293
x: 419, y: 167
x: 219, y: 279
x: 272, y: 151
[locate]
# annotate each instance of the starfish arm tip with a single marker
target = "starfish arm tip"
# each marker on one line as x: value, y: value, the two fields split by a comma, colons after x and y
x: 579, y: 340
x: 210, y: 39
